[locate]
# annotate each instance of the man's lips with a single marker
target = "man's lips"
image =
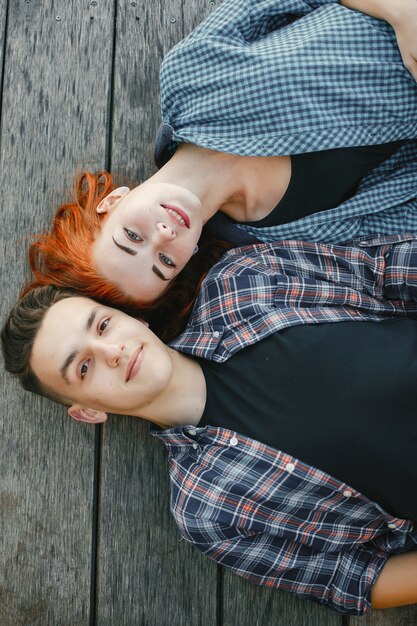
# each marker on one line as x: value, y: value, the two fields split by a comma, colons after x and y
x: 177, y: 214
x: 134, y: 364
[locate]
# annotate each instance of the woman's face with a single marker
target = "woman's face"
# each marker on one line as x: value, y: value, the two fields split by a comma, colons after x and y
x: 148, y: 237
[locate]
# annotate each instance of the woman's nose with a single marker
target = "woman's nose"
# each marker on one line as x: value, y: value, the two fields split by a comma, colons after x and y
x: 164, y: 232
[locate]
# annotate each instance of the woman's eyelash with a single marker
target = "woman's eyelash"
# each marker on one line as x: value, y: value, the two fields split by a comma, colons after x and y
x: 166, y: 260
x: 132, y: 236
x: 103, y: 325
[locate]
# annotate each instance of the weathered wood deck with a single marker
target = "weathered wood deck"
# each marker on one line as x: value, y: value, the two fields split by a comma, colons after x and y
x: 85, y: 531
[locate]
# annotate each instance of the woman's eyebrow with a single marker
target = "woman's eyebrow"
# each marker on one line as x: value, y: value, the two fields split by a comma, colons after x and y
x: 124, y: 248
x: 130, y: 251
x: 158, y: 273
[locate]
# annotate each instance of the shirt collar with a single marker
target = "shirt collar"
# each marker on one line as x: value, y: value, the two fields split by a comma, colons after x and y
x: 164, y: 145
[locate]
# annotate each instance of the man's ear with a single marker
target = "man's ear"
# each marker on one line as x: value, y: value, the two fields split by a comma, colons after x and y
x: 109, y: 202
x: 81, y: 414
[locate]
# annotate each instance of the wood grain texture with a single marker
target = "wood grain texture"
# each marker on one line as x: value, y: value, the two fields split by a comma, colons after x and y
x: 145, y: 33
x: 406, y: 616
x: 193, y: 12
x: 146, y: 574
x: 250, y: 605
x: 55, y: 98
x: 3, y: 16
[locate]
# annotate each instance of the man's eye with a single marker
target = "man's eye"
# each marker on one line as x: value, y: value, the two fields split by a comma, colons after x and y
x: 166, y: 260
x: 130, y: 234
x: 103, y: 325
x: 84, y: 368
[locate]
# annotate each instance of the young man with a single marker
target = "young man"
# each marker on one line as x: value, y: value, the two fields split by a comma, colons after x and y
x: 261, y: 467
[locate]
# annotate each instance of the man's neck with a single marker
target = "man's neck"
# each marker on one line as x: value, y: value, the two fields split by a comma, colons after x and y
x: 184, y: 398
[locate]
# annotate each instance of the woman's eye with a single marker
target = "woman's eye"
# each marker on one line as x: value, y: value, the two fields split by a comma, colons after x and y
x: 166, y: 260
x: 84, y: 368
x: 103, y: 325
x: 130, y: 234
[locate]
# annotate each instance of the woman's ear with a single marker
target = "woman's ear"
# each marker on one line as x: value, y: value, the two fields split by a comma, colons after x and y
x: 81, y: 414
x: 108, y: 203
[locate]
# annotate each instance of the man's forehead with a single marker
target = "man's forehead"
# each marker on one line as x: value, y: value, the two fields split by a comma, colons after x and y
x: 71, y: 306
x: 59, y: 320
x: 64, y: 311
x: 75, y: 300
x: 56, y: 336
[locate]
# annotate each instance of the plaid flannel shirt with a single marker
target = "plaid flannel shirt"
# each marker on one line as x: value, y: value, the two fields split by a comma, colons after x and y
x: 276, y: 77
x: 266, y: 515
x: 258, y: 290
x: 277, y: 521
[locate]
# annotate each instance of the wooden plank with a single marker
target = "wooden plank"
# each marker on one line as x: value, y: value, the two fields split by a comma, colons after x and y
x: 55, y: 101
x: 194, y: 12
x: 3, y: 14
x: 147, y: 575
x: 249, y: 605
x: 406, y: 616
x: 146, y: 31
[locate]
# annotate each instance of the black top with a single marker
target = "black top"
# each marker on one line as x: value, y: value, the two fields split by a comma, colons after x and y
x: 319, y: 181
x: 340, y: 397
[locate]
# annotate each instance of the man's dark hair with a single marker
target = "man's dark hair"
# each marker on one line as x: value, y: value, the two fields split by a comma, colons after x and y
x: 19, y: 333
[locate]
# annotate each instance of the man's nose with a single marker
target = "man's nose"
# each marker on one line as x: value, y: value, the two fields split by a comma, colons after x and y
x: 111, y: 352
x: 163, y: 232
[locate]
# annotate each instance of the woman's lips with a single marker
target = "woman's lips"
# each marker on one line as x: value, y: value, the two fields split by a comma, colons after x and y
x: 134, y: 364
x: 177, y: 215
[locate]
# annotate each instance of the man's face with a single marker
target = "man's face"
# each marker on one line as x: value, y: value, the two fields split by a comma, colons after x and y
x: 97, y: 357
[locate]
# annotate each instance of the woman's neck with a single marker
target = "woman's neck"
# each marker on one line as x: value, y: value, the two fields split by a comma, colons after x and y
x: 206, y: 173
x: 245, y: 188
x: 183, y: 400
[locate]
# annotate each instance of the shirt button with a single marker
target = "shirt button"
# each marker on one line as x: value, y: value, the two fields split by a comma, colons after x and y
x: 216, y: 333
x: 392, y: 526
x: 290, y: 467
x: 195, y: 446
x: 234, y: 441
x: 347, y: 493
x: 192, y: 433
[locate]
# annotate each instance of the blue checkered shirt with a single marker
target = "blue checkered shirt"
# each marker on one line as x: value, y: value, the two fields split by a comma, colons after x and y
x: 277, y: 521
x: 270, y: 77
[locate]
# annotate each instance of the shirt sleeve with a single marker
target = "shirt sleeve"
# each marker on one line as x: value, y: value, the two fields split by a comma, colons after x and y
x: 270, y: 278
x: 248, y: 20
x: 269, y: 15
x: 338, y: 580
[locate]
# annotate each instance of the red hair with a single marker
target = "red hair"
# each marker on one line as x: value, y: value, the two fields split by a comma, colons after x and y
x: 62, y: 257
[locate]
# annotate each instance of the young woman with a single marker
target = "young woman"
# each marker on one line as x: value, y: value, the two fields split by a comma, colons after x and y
x: 292, y: 118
